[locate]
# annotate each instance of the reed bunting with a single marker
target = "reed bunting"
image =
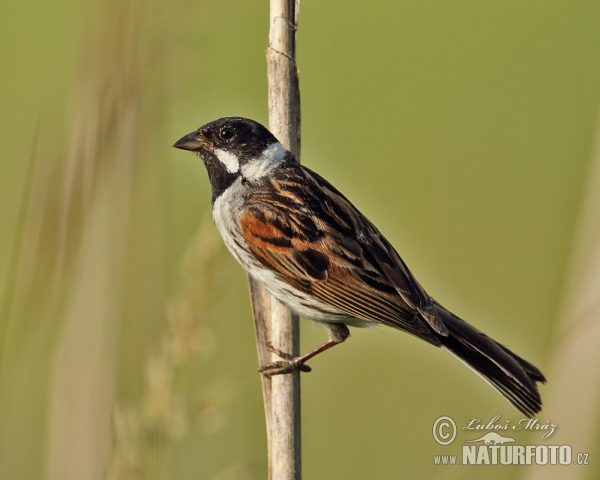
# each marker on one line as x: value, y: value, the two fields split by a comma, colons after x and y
x: 300, y: 238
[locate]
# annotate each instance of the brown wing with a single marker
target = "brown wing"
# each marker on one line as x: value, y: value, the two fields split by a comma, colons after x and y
x: 315, y: 240
x: 383, y: 255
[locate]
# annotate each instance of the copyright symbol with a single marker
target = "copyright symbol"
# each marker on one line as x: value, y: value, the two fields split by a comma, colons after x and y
x: 444, y: 430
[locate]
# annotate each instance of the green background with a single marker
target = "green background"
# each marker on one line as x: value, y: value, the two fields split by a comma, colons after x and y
x: 464, y: 130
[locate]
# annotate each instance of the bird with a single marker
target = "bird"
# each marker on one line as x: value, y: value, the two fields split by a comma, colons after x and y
x: 313, y: 250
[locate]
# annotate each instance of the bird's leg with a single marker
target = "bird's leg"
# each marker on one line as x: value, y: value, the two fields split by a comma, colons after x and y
x: 338, y: 332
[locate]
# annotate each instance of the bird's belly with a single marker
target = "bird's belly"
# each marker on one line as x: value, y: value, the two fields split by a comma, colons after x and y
x: 299, y: 302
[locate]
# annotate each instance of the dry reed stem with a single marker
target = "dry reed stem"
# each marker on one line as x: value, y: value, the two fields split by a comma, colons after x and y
x: 274, y: 323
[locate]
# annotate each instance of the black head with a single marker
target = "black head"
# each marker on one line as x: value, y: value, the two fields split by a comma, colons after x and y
x: 232, y: 147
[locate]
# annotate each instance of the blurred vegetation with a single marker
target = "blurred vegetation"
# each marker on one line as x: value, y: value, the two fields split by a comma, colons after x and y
x: 464, y: 130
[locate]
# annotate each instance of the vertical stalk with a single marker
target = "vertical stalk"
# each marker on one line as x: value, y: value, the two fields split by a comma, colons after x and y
x: 274, y: 322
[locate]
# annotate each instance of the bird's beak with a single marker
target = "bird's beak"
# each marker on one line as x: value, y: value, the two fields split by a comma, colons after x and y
x: 192, y: 141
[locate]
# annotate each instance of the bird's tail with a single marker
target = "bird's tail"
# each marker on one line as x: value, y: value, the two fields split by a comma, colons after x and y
x: 514, y: 377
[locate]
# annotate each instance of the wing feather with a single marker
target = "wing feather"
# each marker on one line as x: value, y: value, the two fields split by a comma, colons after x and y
x: 317, y: 242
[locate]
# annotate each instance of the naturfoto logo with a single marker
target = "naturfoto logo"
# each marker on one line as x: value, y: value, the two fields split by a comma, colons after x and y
x: 531, y: 424
x: 492, y: 447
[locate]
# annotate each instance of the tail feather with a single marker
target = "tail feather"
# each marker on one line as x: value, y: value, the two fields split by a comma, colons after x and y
x: 514, y: 377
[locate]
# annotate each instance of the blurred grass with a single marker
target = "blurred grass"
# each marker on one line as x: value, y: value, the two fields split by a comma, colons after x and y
x: 573, y: 397
x: 463, y: 130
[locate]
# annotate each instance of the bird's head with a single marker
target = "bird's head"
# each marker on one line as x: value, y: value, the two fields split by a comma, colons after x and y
x: 233, y: 148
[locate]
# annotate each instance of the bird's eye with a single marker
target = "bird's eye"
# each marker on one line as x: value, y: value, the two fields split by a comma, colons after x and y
x: 226, y: 133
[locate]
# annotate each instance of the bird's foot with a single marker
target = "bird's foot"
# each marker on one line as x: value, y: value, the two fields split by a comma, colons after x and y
x: 289, y: 364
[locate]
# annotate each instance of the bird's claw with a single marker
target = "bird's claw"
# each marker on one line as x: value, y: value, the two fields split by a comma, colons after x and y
x: 279, y: 353
x: 289, y: 364
x: 281, y: 367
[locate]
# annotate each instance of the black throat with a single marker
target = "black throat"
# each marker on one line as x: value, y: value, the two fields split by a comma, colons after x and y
x: 219, y: 177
